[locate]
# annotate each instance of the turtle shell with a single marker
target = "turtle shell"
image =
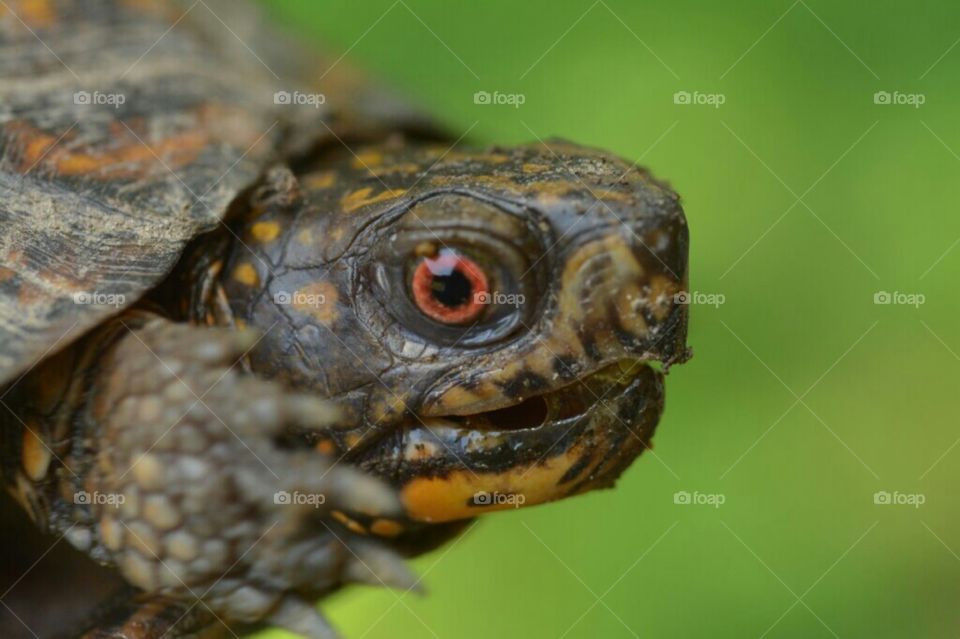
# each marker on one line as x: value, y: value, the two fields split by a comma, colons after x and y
x: 127, y: 127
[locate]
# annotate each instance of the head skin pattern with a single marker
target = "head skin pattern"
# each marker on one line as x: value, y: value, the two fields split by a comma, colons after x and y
x: 555, y: 271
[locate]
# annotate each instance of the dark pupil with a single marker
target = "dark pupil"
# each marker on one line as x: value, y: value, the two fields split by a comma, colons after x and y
x: 452, y: 289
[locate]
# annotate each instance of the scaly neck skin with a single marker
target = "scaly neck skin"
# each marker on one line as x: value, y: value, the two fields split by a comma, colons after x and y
x: 44, y: 432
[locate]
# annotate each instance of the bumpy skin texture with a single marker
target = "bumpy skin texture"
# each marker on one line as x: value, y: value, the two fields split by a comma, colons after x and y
x: 207, y: 492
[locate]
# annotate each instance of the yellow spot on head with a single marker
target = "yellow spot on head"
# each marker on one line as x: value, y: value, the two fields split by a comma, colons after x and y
x: 246, y: 274
x: 362, y: 197
x: 367, y: 160
x: 305, y: 236
x: 265, y: 231
x: 425, y: 249
x: 321, y: 180
x: 352, y: 440
x: 318, y: 300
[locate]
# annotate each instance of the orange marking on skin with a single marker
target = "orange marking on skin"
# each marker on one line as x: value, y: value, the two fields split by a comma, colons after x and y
x: 318, y: 300
x: 367, y: 160
x: 362, y: 197
x: 386, y: 528
x: 452, y: 497
x: 36, y: 14
x: 335, y: 234
x: 458, y: 396
x: 305, y: 236
x: 326, y: 446
x: 246, y: 274
x: 35, y: 456
x: 386, y: 407
x: 265, y: 231
x: 349, y: 523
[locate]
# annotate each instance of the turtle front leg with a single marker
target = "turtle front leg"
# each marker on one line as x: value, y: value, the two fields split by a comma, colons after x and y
x: 192, y: 495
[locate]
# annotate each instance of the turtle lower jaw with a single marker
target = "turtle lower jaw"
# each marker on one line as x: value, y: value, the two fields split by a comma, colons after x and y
x: 561, y: 442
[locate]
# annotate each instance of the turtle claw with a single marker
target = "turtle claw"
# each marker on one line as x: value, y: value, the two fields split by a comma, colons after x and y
x: 377, y: 565
x: 356, y: 491
x: 296, y: 615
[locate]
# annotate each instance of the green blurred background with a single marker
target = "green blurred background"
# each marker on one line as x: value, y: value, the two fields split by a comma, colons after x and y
x: 804, y: 397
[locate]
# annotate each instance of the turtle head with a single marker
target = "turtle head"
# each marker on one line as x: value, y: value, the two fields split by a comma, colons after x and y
x: 489, y: 320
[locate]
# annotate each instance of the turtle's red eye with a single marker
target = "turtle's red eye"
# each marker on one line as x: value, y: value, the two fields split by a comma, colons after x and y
x: 450, y: 288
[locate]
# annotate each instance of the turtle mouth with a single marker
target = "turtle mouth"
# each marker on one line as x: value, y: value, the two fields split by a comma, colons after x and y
x: 554, y: 443
x: 558, y: 405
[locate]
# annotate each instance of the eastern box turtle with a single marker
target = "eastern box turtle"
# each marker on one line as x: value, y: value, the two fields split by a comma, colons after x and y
x: 260, y: 338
